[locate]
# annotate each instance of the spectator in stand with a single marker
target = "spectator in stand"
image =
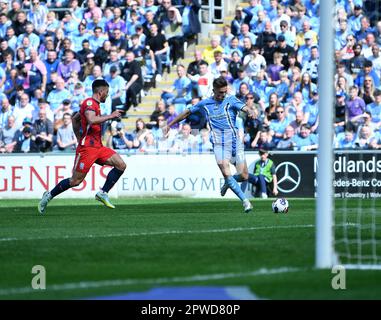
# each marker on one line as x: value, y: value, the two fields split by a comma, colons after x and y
x: 245, y: 32
x: 268, y: 33
x: 23, y: 110
x: 374, y: 108
x: 269, y: 50
x: 355, y: 106
x: 117, y: 88
x: 274, y: 69
x: 365, y: 138
x: 11, y: 38
x: 9, y: 136
x: 239, y: 19
x: 254, y: 62
x: 19, y: 26
x: 122, y: 140
x: 149, y: 21
x: 203, y: 81
x: 102, y: 53
x: 194, y: 66
x: 25, y: 143
x: 66, y: 139
x: 218, y: 65
x: 140, y: 130
x: 301, y: 36
x: 118, y: 39
x: 208, y: 53
x: 367, y: 71
x: 233, y: 47
x: 113, y: 61
x: 159, y: 46
x: 305, y: 141
x: 69, y: 25
x: 43, y: 132
x: 69, y: 65
x: 185, y: 141
x: 181, y: 90
x: 197, y: 120
x: 263, y: 140
x: 306, y: 87
x: 286, y: 142
x: 78, y: 37
x: 29, y: 33
x: 174, y: 34
x: 132, y: 73
x: 160, y: 110
x: 278, y: 125
x: 116, y: 23
x: 287, y: 33
x: 5, y: 111
x: 367, y: 90
x: 345, y: 140
x: 203, y: 143
x: 57, y: 95
x: 96, y: 40
x: 340, y: 112
x: 235, y: 65
x: 356, y: 64
x: 311, y: 112
x: 226, y: 36
x: 172, y: 114
x: 191, y: 22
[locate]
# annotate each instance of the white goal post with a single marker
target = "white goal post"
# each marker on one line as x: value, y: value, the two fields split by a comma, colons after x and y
x: 324, y: 205
x: 350, y: 234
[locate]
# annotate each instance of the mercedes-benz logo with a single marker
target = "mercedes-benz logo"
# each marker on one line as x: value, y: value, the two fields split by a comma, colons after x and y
x: 289, y: 177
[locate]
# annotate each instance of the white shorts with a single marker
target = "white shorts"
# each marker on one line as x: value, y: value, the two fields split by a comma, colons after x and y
x: 233, y: 152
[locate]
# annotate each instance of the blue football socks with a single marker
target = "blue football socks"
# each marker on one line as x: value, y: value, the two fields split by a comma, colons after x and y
x: 234, y: 186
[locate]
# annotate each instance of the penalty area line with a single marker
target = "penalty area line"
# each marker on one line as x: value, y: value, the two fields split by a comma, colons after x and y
x: 83, y: 285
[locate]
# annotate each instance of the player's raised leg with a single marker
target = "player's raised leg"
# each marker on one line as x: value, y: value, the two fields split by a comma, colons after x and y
x: 224, y: 166
x: 62, y: 186
x: 113, y: 176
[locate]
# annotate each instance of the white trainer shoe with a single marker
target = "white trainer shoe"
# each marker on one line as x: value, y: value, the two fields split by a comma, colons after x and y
x: 264, y: 195
x: 46, y: 197
x: 103, y: 197
x: 247, y: 206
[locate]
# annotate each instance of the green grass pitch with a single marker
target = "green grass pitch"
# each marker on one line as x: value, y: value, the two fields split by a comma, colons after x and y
x: 89, y: 250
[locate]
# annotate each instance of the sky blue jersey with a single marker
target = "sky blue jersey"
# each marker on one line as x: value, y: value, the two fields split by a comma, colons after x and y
x: 221, y: 117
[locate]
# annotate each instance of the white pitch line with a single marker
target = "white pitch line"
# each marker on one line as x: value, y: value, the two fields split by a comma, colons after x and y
x: 157, y: 233
x: 157, y: 281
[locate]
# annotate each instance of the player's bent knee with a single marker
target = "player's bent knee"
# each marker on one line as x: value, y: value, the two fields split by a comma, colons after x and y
x: 75, y: 182
x: 121, y: 166
x: 244, y: 175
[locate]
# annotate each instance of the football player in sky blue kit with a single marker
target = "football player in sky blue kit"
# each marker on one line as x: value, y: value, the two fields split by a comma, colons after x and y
x: 222, y: 111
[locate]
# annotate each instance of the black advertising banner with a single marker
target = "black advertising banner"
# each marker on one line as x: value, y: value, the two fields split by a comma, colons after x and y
x: 356, y: 174
x: 295, y: 173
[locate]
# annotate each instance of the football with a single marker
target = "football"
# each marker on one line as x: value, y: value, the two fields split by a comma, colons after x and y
x: 280, y: 205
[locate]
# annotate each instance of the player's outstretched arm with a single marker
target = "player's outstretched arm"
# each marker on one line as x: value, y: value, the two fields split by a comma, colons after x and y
x: 185, y: 114
x: 93, y: 119
x: 76, y: 123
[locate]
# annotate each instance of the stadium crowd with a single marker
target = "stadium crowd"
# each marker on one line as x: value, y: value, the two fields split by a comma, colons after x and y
x: 269, y: 54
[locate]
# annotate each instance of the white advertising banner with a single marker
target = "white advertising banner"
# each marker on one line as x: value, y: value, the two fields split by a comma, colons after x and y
x: 195, y: 175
